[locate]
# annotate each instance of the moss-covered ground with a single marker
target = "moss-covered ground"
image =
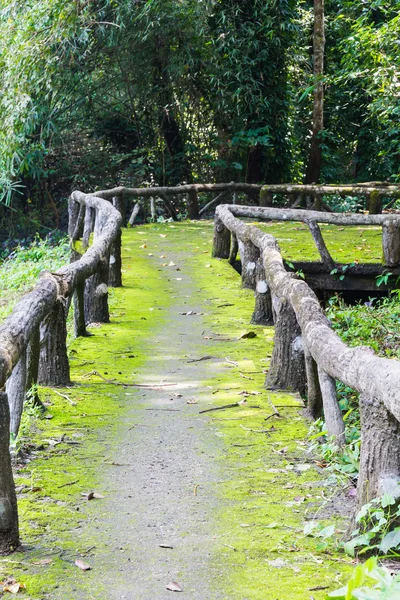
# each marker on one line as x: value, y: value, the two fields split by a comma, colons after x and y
x: 270, y: 487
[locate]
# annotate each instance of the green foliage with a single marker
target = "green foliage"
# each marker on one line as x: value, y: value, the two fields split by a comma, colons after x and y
x: 378, y: 528
x: 369, y: 582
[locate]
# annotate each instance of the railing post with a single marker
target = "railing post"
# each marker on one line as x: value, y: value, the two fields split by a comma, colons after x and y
x: 265, y: 197
x: 79, y: 309
x: 32, y: 365
x: 193, y: 205
x: 287, y: 367
x: 96, y: 286
x: 222, y: 240
x: 262, y: 314
x: 234, y: 249
x: 380, y: 451
x: 15, y: 390
x: 9, y: 531
x: 119, y: 202
x: 115, y: 274
x: 90, y: 215
x: 391, y: 244
x: 249, y: 254
x: 314, y: 396
x: 53, y: 362
x: 332, y: 413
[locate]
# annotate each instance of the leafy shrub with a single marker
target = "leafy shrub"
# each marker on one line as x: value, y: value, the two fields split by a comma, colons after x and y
x: 369, y: 582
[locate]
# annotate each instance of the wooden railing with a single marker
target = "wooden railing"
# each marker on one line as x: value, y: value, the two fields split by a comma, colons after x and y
x: 308, y: 355
x: 33, y: 338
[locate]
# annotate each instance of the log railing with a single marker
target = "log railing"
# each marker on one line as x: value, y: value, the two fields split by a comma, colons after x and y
x: 33, y: 338
x: 308, y: 355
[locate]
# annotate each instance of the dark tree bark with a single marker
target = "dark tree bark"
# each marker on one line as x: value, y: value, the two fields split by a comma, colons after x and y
x: 234, y: 250
x: 315, y: 158
x: 79, y: 310
x: 262, y: 314
x: 96, y: 295
x: 53, y: 363
x: 119, y: 202
x: 249, y: 255
x: 287, y: 368
x: 9, y: 530
x: 115, y: 274
x: 380, y: 454
x: 314, y: 396
x: 32, y: 366
x: 193, y: 205
x: 222, y: 240
x: 15, y: 390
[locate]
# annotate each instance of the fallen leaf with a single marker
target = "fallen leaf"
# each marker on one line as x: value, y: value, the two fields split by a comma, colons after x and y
x: 171, y: 264
x: 43, y: 561
x: 163, y: 235
x: 85, y: 567
x: 14, y: 588
x: 192, y: 401
x: 208, y: 266
x: 163, y: 256
x: 144, y: 246
x: 174, y: 587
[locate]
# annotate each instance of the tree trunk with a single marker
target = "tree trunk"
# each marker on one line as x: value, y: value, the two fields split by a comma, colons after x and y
x: 287, y: 368
x: 314, y: 161
x: 53, y: 364
x: 380, y: 456
x: 15, y: 390
x: 9, y: 532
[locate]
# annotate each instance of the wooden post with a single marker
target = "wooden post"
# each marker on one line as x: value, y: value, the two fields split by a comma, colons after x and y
x: 317, y: 202
x: 222, y: 240
x: 88, y: 225
x: 249, y: 254
x: 234, y: 249
x: 332, y: 413
x: 380, y: 452
x: 96, y: 286
x: 314, y: 396
x: 15, y: 390
x: 391, y: 244
x: 115, y: 274
x: 193, y: 205
x: 153, y: 211
x: 79, y: 310
x: 9, y: 530
x: 119, y: 202
x: 134, y: 213
x: 287, y: 368
x: 262, y: 314
x: 32, y: 365
x: 374, y: 203
x: 265, y: 197
x: 53, y: 362
x: 73, y: 213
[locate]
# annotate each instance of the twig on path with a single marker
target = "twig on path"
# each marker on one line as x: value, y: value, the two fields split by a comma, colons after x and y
x: 231, y: 362
x: 275, y: 413
x: 196, y: 487
x: 72, y: 403
x: 233, y: 405
x: 192, y: 360
x: 151, y: 386
x: 229, y: 546
x: 67, y: 484
x: 255, y: 430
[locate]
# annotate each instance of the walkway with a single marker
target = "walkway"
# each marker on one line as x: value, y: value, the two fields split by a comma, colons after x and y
x: 215, y: 502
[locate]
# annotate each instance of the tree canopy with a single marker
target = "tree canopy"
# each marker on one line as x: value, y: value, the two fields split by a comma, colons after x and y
x: 167, y: 92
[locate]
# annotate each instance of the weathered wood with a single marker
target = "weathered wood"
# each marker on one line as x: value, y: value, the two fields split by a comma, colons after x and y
x: 222, y: 240
x: 32, y: 366
x: 380, y: 451
x: 134, y: 213
x: 193, y: 205
x: 170, y: 208
x: 332, y: 412
x: 53, y: 362
x: 287, y: 367
x: 391, y: 244
x: 234, y: 250
x: 90, y: 215
x: 15, y: 390
x: 9, y: 530
x: 79, y: 310
x: 119, y: 202
x: 378, y: 377
x: 153, y: 211
x: 262, y: 314
x: 266, y: 197
x: 314, y: 395
x: 337, y: 190
x: 181, y: 189
x: 374, y: 202
x: 115, y: 273
x: 326, y: 258
x: 96, y: 294
x: 73, y: 213
x: 249, y: 254
x: 214, y: 202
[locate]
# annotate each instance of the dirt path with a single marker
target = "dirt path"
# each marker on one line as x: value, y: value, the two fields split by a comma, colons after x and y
x: 226, y: 493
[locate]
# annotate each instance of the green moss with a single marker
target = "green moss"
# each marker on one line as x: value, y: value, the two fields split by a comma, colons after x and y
x: 266, y: 496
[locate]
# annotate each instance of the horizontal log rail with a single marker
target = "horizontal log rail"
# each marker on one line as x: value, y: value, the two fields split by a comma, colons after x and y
x: 309, y: 356
x: 33, y: 338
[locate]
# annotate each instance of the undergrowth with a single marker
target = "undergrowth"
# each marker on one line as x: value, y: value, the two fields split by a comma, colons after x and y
x: 20, y: 269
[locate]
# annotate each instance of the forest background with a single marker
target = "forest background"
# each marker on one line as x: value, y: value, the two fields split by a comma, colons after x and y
x: 98, y: 93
